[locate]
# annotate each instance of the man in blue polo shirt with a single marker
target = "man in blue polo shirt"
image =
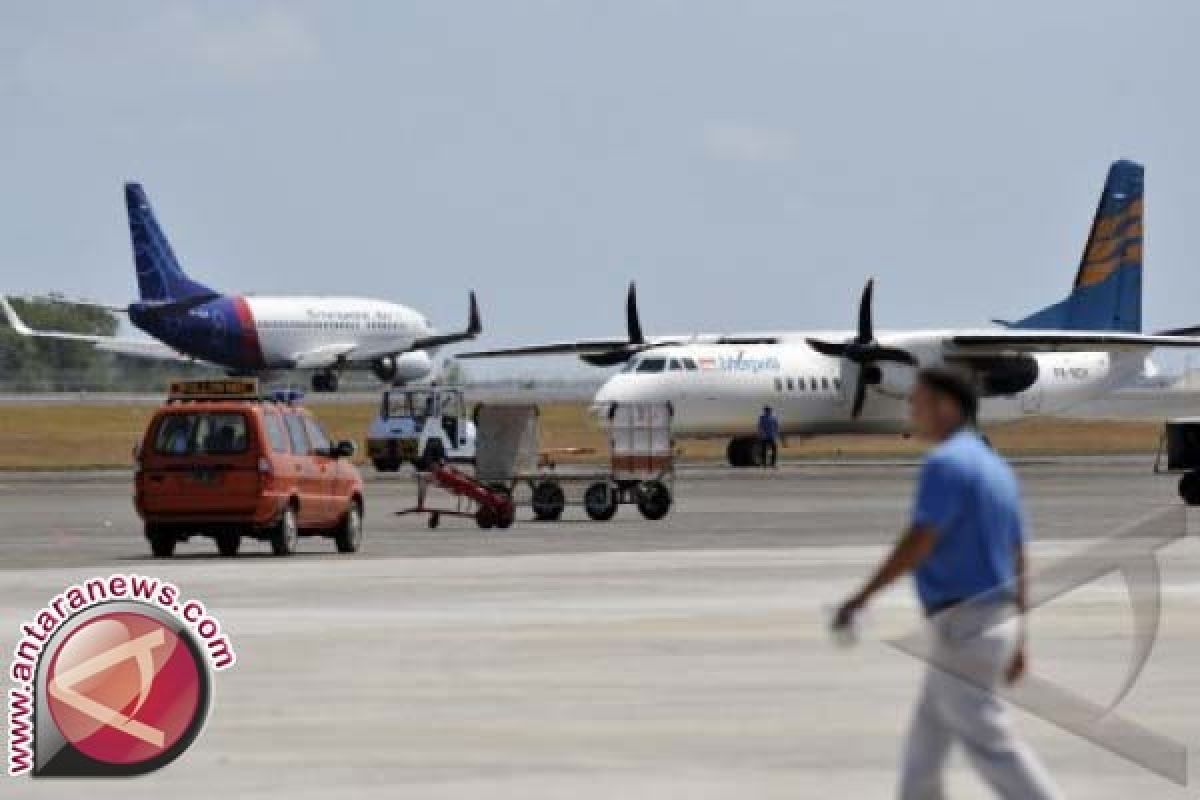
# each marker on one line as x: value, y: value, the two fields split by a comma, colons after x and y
x: 768, y: 436
x: 966, y: 547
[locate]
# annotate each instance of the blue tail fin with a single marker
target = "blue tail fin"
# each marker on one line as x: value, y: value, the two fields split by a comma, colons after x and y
x: 1107, y: 295
x: 160, y: 278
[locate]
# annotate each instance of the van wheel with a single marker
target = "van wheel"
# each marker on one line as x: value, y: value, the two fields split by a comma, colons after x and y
x: 285, y: 535
x: 348, y: 537
x: 228, y: 544
x: 162, y: 543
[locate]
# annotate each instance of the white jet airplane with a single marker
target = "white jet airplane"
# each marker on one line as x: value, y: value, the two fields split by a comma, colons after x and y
x: 249, y: 335
x: 858, y: 381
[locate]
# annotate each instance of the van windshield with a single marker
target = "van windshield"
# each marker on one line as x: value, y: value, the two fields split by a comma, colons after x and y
x: 201, y: 433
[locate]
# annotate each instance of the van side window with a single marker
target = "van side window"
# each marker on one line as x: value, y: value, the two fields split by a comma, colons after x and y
x: 812, y: 384
x: 275, y: 432
x: 779, y: 384
x: 800, y: 384
x: 675, y: 365
x: 791, y: 385
x: 295, y: 429
x: 837, y: 384
x: 825, y: 384
x: 316, y: 435
x: 689, y: 364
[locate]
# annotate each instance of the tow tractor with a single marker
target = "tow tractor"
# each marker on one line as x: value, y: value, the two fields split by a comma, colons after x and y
x: 421, y: 426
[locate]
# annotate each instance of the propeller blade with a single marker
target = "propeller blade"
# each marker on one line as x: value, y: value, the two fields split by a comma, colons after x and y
x: 632, y: 321
x: 895, y: 354
x: 860, y: 396
x: 831, y: 349
x: 609, y: 358
x: 866, y: 328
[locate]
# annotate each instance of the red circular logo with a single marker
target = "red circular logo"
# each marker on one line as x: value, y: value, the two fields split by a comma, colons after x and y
x: 124, y: 688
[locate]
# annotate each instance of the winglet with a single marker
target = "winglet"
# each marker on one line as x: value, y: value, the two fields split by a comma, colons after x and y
x: 474, y: 321
x: 474, y: 328
x: 632, y: 319
x: 11, y: 315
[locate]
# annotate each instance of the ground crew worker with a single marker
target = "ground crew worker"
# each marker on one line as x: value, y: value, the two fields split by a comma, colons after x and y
x: 966, y: 546
x: 768, y: 437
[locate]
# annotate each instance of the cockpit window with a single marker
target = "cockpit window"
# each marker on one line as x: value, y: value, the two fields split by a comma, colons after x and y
x: 652, y: 365
x: 630, y: 365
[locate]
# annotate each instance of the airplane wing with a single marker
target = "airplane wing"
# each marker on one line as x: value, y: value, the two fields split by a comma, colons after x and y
x: 1024, y: 341
x: 324, y: 356
x: 125, y: 346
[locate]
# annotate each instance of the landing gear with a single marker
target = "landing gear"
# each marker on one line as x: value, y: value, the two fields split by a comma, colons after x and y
x: 325, y: 382
x: 745, y: 451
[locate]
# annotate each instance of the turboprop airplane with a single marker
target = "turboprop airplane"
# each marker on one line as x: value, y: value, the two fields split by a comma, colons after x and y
x: 858, y: 381
x: 251, y: 335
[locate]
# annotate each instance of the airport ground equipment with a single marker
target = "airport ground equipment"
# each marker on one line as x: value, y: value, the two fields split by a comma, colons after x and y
x: 507, y: 446
x: 1179, y: 447
x: 421, y: 426
x: 641, y: 469
x: 490, y: 506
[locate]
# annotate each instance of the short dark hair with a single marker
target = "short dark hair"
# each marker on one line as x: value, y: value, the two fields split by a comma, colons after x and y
x: 954, y: 385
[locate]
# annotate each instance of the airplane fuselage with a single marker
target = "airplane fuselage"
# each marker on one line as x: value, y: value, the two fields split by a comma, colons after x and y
x: 250, y: 334
x: 719, y: 390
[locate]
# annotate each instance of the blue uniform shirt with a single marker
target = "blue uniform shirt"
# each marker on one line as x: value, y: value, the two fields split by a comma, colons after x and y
x: 768, y: 427
x: 970, y: 497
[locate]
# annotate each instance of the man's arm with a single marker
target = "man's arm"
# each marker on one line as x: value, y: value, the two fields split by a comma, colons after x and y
x: 1016, y: 670
x: 912, y: 549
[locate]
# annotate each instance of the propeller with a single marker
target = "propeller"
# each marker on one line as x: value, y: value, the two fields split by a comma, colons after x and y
x: 637, y: 340
x: 864, y: 350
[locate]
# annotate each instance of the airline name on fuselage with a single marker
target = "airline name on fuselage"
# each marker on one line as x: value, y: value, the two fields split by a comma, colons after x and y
x: 740, y: 363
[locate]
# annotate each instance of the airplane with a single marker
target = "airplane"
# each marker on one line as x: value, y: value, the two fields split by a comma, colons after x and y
x: 253, y: 335
x: 821, y: 382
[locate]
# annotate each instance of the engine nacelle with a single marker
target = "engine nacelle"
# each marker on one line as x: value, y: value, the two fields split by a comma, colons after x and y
x: 403, y: 368
x: 1005, y: 375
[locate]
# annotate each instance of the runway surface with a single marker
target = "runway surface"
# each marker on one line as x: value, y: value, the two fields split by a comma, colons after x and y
x: 684, y: 658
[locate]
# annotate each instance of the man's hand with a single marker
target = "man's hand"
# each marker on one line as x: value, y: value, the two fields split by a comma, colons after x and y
x: 844, y: 618
x: 1016, y: 669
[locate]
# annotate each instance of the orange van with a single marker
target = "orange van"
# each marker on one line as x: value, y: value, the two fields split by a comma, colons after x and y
x: 219, y: 461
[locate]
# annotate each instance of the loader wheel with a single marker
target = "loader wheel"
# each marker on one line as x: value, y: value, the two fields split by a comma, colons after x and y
x: 654, y: 500
x: 549, y: 501
x: 600, y: 502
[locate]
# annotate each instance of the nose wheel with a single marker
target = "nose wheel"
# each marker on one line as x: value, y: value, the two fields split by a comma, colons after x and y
x: 325, y: 382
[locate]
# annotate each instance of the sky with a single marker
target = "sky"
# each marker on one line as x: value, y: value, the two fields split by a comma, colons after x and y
x: 750, y: 164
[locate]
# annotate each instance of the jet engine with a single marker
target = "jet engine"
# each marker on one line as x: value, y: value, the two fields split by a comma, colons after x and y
x: 402, y: 368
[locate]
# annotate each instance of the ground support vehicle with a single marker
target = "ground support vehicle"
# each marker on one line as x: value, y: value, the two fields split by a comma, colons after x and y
x: 221, y: 461
x: 1179, y: 453
x: 421, y: 426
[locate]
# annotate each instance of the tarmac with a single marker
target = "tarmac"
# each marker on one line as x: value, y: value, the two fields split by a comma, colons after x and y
x: 686, y: 658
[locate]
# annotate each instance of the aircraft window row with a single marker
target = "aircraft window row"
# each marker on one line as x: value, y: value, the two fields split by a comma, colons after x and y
x: 813, y: 384
x: 328, y: 326
x: 662, y: 365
